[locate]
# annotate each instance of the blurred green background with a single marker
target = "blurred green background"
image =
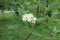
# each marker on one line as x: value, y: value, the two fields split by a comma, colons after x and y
x: 47, y: 26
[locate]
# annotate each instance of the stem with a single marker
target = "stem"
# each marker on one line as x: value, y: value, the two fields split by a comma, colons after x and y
x: 28, y: 36
x: 37, y: 11
x: 46, y: 3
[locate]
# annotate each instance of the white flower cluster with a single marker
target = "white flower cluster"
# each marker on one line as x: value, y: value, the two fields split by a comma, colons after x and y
x: 29, y: 18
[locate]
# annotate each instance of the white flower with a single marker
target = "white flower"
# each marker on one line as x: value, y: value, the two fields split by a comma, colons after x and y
x: 29, y: 18
x: 24, y: 17
x: 34, y: 20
